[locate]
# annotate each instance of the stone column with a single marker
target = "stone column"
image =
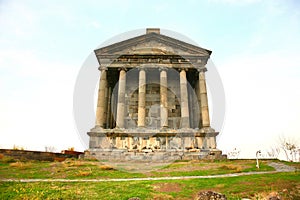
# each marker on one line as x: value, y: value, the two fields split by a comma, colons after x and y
x: 191, y: 108
x: 121, y: 99
x: 203, y: 99
x: 163, y: 98
x: 102, y: 103
x: 108, y: 117
x: 185, y: 117
x: 113, y: 110
x: 142, y: 98
x: 198, y: 111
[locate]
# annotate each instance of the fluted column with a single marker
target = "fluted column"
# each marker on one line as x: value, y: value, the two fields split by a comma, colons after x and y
x: 102, y: 103
x: 191, y: 108
x: 203, y: 99
x: 121, y: 99
x: 163, y: 98
x: 142, y: 98
x: 108, y: 116
x: 185, y: 117
x: 198, y: 111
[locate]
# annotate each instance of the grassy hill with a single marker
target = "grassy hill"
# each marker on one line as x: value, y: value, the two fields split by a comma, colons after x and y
x: 83, y: 175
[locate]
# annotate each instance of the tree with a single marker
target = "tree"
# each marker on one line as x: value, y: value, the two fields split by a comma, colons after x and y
x: 234, y: 154
x: 18, y: 147
x: 273, y: 152
x: 71, y: 149
x: 290, y: 148
x: 50, y: 149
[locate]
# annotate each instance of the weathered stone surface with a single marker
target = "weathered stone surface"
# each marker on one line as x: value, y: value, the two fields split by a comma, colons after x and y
x: 163, y: 98
x: 142, y: 98
x: 101, y: 105
x: 39, y: 155
x: 121, y: 99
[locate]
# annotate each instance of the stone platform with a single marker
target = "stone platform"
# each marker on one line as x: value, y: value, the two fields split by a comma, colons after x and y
x: 149, y: 155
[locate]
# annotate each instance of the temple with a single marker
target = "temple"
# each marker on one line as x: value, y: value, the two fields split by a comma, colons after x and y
x: 152, y: 101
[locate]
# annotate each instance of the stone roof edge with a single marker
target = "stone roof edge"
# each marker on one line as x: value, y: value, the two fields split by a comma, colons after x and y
x: 135, y: 40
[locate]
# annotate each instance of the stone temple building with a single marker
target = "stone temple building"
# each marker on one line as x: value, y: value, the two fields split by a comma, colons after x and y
x: 152, y: 101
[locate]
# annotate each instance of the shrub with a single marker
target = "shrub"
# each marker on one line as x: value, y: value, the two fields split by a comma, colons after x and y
x: 106, y: 167
x: 234, y: 168
x: 8, y: 159
x: 19, y: 164
x: 59, y: 159
x: 85, y: 172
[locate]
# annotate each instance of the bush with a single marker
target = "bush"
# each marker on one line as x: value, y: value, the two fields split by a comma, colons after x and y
x: 19, y: 164
x: 106, y: 167
x: 7, y: 159
x: 59, y: 159
x: 85, y: 172
x: 234, y: 168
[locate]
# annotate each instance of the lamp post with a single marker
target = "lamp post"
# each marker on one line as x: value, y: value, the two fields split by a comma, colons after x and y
x: 257, y: 164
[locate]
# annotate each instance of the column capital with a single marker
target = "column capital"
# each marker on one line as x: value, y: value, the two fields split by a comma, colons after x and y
x: 163, y: 68
x: 141, y: 68
x: 122, y: 68
x: 202, y: 69
x: 182, y: 69
x: 102, y: 67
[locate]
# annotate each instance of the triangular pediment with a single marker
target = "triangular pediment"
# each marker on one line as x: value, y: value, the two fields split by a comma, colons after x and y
x: 152, y: 44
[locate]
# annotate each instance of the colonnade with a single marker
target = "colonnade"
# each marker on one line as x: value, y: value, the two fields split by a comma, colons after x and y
x: 104, y: 99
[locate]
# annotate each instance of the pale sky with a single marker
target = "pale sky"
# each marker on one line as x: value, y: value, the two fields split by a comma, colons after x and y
x: 255, y: 45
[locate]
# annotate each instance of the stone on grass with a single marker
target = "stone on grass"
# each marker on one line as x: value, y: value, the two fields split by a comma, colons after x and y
x: 210, y: 195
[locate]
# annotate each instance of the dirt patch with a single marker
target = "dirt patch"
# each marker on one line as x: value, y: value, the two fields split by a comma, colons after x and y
x: 167, y: 187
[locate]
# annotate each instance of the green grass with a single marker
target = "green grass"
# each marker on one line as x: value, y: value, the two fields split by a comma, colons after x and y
x: 203, y: 168
x: 250, y: 186
x: 80, y: 169
x: 234, y: 188
x: 69, y: 169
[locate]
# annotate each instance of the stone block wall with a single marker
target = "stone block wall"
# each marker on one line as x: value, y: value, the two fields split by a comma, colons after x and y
x: 38, y: 155
x: 153, y: 107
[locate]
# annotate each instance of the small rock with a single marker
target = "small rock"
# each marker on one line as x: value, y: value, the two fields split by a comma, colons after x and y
x: 210, y: 195
x: 134, y: 198
x: 273, y: 196
x: 285, y: 191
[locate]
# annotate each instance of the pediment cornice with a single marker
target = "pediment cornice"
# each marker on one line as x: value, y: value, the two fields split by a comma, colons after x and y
x: 152, y: 43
